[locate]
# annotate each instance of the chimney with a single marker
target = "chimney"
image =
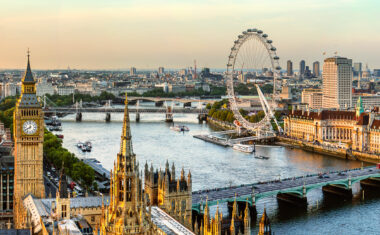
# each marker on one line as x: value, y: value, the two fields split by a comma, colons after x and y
x: 293, y: 108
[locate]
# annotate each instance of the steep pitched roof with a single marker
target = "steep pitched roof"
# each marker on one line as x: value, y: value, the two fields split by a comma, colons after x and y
x: 375, y: 124
x: 324, y: 115
x: 363, y: 119
x: 28, y: 77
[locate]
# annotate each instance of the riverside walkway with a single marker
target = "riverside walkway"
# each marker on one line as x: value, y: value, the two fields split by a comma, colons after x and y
x: 298, y: 186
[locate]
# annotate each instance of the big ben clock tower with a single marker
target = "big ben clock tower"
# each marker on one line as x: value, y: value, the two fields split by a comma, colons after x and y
x: 28, y: 132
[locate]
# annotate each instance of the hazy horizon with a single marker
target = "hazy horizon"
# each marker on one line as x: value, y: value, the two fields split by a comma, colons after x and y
x: 117, y: 35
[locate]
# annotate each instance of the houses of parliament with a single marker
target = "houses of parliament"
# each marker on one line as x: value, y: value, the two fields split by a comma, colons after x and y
x: 162, y: 206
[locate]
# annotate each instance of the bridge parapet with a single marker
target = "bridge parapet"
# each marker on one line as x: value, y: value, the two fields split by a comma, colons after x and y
x: 297, y: 186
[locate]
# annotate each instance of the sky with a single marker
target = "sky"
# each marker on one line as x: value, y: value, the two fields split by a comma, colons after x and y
x: 146, y: 34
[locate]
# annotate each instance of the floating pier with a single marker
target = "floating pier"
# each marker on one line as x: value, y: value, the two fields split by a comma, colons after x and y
x: 214, y: 140
x: 211, y: 138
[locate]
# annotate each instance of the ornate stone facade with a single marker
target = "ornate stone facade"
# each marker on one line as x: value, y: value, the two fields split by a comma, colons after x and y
x: 238, y: 224
x: 357, y: 130
x: 28, y: 154
x: 126, y: 213
x: 374, y: 137
x: 170, y: 194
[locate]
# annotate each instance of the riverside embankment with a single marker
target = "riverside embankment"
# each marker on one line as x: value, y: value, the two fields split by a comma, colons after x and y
x: 308, y: 146
x: 328, y: 150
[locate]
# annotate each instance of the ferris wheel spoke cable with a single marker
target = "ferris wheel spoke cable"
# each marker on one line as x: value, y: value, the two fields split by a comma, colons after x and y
x: 252, y: 59
x: 262, y: 58
x: 256, y: 54
x: 252, y: 53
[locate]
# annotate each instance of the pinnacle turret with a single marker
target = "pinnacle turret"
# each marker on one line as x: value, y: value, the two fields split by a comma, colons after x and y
x: 126, y: 139
x: 28, y: 77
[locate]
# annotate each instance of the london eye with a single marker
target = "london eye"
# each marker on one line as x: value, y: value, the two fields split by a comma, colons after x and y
x: 253, y: 57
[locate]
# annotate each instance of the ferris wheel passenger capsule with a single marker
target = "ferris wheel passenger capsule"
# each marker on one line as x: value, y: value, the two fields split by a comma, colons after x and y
x: 278, y: 68
x: 236, y: 41
x: 249, y: 30
x: 254, y: 30
x: 259, y: 31
x: 244, y: 32
x: 240, y: 36
x: 265, y: 35
x: 273, y: 49
x: 269, y: 41
x: 276, y: 58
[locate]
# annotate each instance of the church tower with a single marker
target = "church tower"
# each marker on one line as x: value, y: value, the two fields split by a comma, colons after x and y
x: 126, y: 213
x: 28, y: 132
x: 359, y: 107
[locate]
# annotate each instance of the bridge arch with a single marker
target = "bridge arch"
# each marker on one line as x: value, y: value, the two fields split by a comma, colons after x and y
x: 347, y: 181
x: 376, y: 176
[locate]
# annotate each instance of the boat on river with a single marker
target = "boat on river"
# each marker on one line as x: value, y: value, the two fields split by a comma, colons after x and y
x: 85, y: 147
x: 262, y: 157
x: 179, y: 128
x: 55, y: 128
x: 52, y: 121
x: 243, y: 148
x: 88, y: 146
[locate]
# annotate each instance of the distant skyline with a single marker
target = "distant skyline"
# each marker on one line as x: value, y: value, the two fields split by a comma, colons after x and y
x: 119, y: 34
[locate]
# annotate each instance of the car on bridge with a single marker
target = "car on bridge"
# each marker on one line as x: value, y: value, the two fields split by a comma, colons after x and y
x: 321, y: 176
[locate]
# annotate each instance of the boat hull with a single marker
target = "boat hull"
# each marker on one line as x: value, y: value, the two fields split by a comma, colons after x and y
x: 243, y: 148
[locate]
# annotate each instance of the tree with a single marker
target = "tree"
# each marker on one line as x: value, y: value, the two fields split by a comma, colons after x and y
x: 95, y: 186
x: 242, y: 89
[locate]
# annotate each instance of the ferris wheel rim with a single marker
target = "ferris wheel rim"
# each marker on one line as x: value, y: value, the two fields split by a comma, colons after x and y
x: 271, y: 50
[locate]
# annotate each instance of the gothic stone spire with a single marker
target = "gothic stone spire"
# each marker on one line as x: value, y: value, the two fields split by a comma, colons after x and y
x: 126, y: 139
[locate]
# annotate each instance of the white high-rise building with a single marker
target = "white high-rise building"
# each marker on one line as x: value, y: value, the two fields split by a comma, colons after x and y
x: 337, y: 83
x: 10, y: 89
x: 43, y: 87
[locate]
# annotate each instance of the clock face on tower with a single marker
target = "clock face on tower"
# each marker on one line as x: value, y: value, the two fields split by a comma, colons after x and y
x: 29, y: 127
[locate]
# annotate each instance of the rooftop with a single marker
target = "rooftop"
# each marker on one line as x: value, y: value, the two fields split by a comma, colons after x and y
x: 44, y: 205
x: 167, y: 224
x: 15, y: 232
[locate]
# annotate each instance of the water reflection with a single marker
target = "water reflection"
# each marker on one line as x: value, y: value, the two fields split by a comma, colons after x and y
x: 215, y: 166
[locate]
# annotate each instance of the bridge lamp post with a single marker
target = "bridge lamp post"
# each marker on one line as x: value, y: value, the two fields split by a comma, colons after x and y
x: 349, y: 181
x: 304, y: 190
x: 253, y: 197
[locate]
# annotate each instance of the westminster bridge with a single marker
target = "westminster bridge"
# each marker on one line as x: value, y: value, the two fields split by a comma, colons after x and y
x: 292, y: 190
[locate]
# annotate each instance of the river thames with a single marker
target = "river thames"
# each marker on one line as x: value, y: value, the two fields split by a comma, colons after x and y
x: 215, y: 166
